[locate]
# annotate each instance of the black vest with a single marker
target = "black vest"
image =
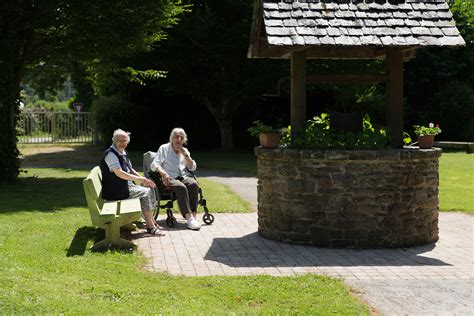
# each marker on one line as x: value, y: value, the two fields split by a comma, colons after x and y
x: 114, y: 188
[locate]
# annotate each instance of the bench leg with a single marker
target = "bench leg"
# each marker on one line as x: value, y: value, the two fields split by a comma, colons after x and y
x: 112, y: 237
x: 130, y: 227
x: 106, y: 244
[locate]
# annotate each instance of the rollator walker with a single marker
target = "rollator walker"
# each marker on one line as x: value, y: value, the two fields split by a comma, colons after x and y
x: 167, y: 196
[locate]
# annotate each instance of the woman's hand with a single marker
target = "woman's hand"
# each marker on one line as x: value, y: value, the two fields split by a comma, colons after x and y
x: 166, y: 179
x: 181, y: 150
x: 149, y: 183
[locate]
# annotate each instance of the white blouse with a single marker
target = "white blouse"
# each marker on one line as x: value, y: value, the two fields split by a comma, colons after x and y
x: 174, y: 164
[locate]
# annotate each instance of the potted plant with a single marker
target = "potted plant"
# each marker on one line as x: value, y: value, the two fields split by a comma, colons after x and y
x: 267, y: 135
x: 426, y: 135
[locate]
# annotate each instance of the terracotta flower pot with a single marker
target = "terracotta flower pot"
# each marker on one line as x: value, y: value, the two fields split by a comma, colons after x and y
x: 426, y: 141
x: 269, y: 140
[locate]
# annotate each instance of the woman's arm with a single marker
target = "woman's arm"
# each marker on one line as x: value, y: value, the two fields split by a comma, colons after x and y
x: 133, y: 177
x: 157, y: 163
x: 190, y: 163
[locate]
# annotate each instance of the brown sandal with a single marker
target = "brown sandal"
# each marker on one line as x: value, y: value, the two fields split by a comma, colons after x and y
x: 155, y: 231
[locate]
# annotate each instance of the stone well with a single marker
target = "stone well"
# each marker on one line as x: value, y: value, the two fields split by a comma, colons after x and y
x: 348, y: 198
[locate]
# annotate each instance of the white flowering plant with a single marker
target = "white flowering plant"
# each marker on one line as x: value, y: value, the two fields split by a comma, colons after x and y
x: 431, y: 129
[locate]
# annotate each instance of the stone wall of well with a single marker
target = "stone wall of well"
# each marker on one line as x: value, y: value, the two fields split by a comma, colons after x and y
x: 348, y: 198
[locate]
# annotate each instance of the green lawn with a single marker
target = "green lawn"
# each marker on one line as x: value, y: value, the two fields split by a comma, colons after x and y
x: 221, y: 199
x: 456, y: 171
x: 45, y: 267
x: 456, y: 175
x: 241, y: 161
x: 456, y: 182
x: 238, y: 161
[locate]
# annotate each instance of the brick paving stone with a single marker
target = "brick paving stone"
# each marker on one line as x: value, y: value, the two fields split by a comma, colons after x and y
x: 433, y: 279
x: 430, y: 279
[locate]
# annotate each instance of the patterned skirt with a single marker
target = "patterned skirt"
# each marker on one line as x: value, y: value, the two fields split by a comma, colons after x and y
x: 147, y: 196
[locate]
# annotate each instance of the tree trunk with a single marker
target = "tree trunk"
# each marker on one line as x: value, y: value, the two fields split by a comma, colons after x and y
x: 9, y: 154
x: 10, y: 78
x: 222, y: 112
x: 227, y: 141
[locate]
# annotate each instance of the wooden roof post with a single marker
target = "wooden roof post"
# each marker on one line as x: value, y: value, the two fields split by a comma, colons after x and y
x: 394, y: 95
x: 298, y: 89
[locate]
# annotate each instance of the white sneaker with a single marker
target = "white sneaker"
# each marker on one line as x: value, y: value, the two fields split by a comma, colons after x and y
x: 197, y: 222
x: 193, y: 224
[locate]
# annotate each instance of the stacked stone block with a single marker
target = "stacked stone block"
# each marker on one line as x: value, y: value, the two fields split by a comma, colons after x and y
x: 348, y: 198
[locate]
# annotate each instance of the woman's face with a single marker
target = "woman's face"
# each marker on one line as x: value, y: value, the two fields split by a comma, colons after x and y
x: 121, y: 142
x: 178, y: 139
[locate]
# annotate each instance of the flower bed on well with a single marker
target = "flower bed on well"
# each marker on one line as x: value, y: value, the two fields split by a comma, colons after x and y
x: 318, y: 134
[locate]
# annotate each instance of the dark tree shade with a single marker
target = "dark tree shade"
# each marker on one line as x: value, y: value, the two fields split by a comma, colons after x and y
x: 206, y: 56
x: 50, y: 31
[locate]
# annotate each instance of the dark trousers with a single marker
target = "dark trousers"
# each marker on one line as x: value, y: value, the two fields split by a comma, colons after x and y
x: 186, y: 192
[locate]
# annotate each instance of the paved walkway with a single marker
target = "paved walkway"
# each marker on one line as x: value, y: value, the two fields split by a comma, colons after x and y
x: 428, y: 280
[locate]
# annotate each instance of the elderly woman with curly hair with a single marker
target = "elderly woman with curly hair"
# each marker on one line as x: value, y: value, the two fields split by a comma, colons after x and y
x: 173, y: 161
x: 117, y: 177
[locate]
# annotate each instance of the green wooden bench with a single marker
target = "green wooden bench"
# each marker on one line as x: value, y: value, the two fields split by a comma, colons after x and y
x: 467, y: 146
x: 109, y: 215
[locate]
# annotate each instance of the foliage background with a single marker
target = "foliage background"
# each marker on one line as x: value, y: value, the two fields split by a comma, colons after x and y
x: 205, y: 59
x: 135, y: 63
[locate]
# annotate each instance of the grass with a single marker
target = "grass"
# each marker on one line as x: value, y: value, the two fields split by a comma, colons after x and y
x: 456, y: 175
x: 236, y: 161
x: 456, y: 182
x: 221, y: 199
x: 41, y: 187
x: 42, y: 155
x: 243, y: 162
x: 46, y: 269
x: 456, y: 170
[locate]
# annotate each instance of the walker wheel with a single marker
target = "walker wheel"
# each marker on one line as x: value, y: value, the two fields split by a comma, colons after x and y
x: 208, y: 218
x: 171, y: 221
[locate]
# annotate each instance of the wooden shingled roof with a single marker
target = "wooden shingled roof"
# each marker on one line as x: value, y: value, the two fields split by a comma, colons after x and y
x: 326, y: 28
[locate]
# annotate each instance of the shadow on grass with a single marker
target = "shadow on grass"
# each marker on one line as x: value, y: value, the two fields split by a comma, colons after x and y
x: 81, y: 238
x: 278, y: 254
x: 61, y: 156
x: 41, y: 195
x: 87, y: 234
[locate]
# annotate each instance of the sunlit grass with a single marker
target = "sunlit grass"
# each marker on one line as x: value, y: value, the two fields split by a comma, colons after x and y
x: 456, y: 182
x: 221, y: 199
x: 46, y: 267
x: 456, y: 188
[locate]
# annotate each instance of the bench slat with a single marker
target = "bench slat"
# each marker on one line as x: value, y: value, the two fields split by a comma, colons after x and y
x: 94, y: 184
x: 109, y: 208
x: 130, y: 206
x: 467, y: 146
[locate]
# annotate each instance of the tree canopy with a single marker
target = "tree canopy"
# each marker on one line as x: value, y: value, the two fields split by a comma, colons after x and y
x: 92, y: 33
x: 206, y: 57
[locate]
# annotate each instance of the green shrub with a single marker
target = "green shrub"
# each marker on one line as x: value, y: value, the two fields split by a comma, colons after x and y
x: 49, y: 106
x: 113, y: 112
x: 318, y: 134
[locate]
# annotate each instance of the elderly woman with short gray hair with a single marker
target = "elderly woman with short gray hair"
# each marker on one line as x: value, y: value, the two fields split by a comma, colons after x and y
x: 173, y: 162
x: 117, y: 177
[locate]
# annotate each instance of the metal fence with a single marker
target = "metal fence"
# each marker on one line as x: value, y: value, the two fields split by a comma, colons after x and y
x: 56, y: 127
